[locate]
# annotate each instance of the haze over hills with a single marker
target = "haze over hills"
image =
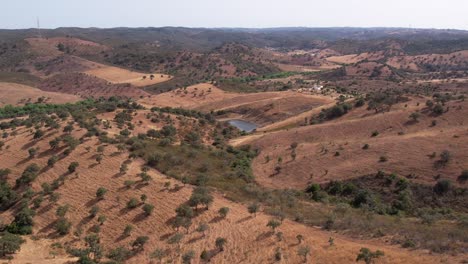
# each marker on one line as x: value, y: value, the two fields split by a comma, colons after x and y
x: 118, y: 145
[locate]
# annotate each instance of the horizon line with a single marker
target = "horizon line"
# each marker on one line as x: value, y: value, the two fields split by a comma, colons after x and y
x: 248, y: 28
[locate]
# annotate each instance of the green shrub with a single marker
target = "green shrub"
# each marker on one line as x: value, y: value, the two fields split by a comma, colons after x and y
x: 148, y: 209
x: 132, y: 203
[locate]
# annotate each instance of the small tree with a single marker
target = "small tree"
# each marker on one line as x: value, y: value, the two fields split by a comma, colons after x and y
x: 223, y: 211
x: 278, y: 254
x: 176, y: 238
x: 68, y: 128
x: 51, y: 161
x: 32, y: 152
x: 148, y: 209
x: 132, y: 203
x: 299, y: 238
x: 220, y: 243
x: 139, y: 243
x: 205, y: 256
x: 100, y: 149
x: 188, y: 256
x: 442, y: 186
x: 94, y: 211
x: 304, y: 252
x: 429, y: 104
x: 415, y: 116
x: 38, y: 134
x: 62, y: 226
x: 158, y: 254
x: 119, y: 254
x: 101, y: 191
x: 273, y: 224
x: 368, y: 256
x: 145, y: 177
x: 445, y: 157
x: 10, y: 243
x: 72, y: 167
x: 279, y: 236
x: 127, y: 230
x: 202, y: 228
x: 200, y: 195
x: 62, y: 210
x: 123, y: 168
x: 253, y: 208
x: 438, y: 109
x: 129, y: 183
x: 101, y: 219
x: 293, y: 155
x: 294, y: 145
x: 99, y: 159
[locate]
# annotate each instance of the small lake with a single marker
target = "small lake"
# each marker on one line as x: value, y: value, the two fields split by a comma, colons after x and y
x: 243, y: 125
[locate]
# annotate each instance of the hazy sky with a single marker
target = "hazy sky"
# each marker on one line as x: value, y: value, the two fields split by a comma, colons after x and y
x: 235, y: 13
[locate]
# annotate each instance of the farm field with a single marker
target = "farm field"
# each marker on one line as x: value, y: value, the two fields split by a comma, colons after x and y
x: 118, y: 75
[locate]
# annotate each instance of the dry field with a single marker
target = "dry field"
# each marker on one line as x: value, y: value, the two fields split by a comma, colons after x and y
x: 18, y: 94
x: 118, y: 75
x: 248, y: 238
x: 301, y: 68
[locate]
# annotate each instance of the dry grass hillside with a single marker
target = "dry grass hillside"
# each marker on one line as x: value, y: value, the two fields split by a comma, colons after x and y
x: 61, y: 55
x: 454, y: 60
x: 249, y: 240
x: 119, y: 75
x: 192, y: 97
x: 115, y: 146
x: 407, y: 145
x: 355, y: 58
x: 18, y: 94
x: 84, y: 85
x: 261, y: 108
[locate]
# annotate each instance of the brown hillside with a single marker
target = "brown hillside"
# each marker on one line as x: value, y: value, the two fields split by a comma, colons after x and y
x: 18, y: 94
x: 262, y: 108
x: 405, y: 143
x: 249, y: 240
x: 88, y: 86
x: 118, y: 75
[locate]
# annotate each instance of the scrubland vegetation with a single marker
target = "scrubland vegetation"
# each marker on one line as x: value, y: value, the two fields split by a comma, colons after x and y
x: 327, y: 158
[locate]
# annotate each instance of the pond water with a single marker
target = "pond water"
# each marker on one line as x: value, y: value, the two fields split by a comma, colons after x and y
x: 243, y: 125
